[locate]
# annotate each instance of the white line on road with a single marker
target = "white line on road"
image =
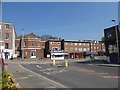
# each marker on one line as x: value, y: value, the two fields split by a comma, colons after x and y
x: 116, y: 77
x: 38, y: 66
x: 21, y: 78
x: 45, y: 77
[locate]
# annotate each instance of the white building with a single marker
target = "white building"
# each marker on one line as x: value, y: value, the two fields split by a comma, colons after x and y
x: 7, y: 39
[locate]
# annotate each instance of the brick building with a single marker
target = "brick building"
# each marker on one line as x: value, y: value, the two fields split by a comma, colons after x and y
x: 52, y: 44
x: 96, y: 46
x: 7, y: 39
x: 30, y: 46
x: 74, y: 48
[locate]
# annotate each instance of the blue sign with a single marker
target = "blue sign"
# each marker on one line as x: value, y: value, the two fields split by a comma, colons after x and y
x: 57, y: 51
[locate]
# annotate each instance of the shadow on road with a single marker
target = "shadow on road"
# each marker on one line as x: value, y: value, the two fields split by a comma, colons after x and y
x: 94, y: 62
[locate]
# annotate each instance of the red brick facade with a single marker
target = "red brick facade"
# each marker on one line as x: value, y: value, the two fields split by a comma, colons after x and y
x: 31, y: 46
x: 74, y: 48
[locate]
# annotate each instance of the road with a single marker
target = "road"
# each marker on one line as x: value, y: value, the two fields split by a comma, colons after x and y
x: 78, y: 75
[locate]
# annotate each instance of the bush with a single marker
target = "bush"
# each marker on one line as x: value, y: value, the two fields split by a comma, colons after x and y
x: 7, y: 82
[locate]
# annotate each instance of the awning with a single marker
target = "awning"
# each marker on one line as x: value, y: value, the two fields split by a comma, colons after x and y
x: 59, y: 53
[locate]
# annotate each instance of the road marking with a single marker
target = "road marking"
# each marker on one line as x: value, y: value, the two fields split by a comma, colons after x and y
x: 45, y: 77
x: 114, y: 77
x: 50, y: 71
x: 51, y: 87
x: 17, y: 84
x: 38, y: 66
x: 21, y: 78
x: 30, y: 75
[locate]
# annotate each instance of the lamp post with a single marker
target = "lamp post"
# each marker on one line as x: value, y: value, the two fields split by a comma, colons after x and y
x: 117, y: 41
x: 22, y: 44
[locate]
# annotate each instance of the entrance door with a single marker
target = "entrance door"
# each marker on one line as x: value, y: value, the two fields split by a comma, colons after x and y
x: 33, y: 54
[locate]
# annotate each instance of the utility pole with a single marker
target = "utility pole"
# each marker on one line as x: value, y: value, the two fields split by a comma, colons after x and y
x: 117, y: 41
x: 22, y: 44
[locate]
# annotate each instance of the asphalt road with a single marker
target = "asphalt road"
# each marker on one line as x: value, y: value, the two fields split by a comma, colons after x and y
x: 78, y: 75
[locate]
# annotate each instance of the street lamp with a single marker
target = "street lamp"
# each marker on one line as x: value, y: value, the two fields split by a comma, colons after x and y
x: 22, y: 44
x: 117, y: 42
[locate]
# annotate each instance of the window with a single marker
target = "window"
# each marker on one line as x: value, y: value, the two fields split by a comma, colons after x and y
x: 6, y: 45
x: 84, y: 49
x: 80, y: 49
x: 75, y: 43
x: 24, y: 44
x: 84, y: 44
x: 112, y: 49
x: 58, y: 43
x: 0, y: 26
x: 71, y: 49
x: 32, y: 43
x: 52, y: 43
x: 7, y: 26
x: 7, y: 36
x: 66, y: 49
x: 80, y: 44
x: 88, y: 49
x: 76, y: 49
x: 71, y: 43
x: 66, y: 43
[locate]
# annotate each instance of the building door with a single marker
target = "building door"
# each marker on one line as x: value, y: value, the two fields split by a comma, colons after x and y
x: 33, y: 54
x: 6, y: 55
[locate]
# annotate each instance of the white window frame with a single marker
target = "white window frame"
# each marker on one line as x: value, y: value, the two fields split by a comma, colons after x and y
x: 80, y: 49
x: 6, y: 26
x: 76, y: 44
x: 52, y: 43
x: 6, y: 36
x: 80, y: 44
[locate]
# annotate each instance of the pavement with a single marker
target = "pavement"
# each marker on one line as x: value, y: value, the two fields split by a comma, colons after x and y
x: 22, y: 76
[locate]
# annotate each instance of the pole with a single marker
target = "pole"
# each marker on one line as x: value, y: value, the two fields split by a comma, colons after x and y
x: 117, y: 42
x: 22, y: 44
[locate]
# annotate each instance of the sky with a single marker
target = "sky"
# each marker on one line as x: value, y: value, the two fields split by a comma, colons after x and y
x: 68, y: 20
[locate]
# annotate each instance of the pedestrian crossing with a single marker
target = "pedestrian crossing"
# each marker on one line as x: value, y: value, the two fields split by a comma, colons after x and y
x: 51, y: 71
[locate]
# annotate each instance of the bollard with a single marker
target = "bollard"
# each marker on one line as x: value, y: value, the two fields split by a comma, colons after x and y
x: 66, y: 63
x: 53, y: 62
